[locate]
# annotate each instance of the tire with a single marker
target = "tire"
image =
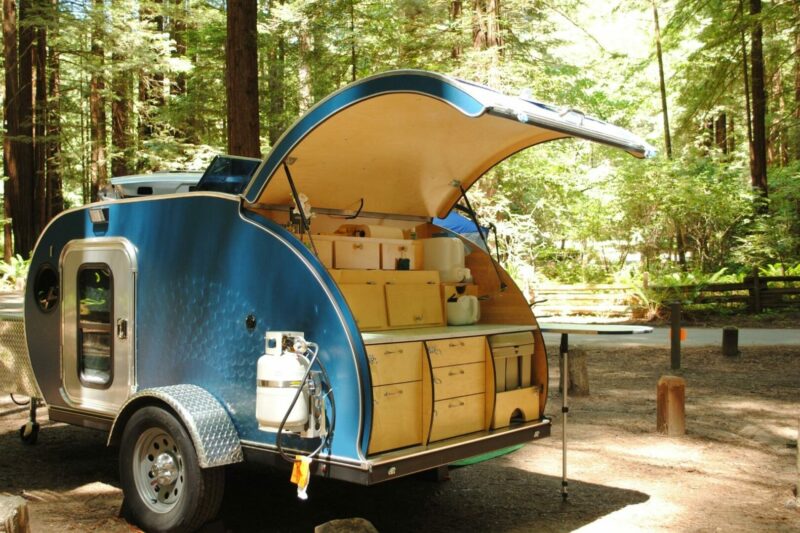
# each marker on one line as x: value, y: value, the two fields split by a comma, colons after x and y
x: 164, y: 488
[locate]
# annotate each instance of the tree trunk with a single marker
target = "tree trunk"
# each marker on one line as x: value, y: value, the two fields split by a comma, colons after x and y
x: 353, y: 56
x: 797, y: 84
x: 151, y: 84
x: 680, y: 245
x: 25, y: 207
x: 758, y: 171
x: 304, y: 69
x: 97, y: 108
x: 275, y: 82
x: 456, y: 8
x: 746, y: 78
x: 178, y: 33
x: 721, y: 132
x: 486, y: 25
x: 11, y: 119
x: 55, y: 197
x: 778, y: 143
x: 121, y: 136
x: 123, y: 151
x: 241, y: 78
x: 40, y: 126
x: 662, y: 84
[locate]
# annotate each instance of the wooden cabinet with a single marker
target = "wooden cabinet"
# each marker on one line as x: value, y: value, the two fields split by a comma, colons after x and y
x: 391, y: 251
x: 459, y: 386
x: 517, y: 394
x: 383, y: 299
x: 457, y: 351
x: 413, y: 305
x: 368, y: 304
x: 458, y: 416
x: 459, y: 380
x: 398, y: 416
x: 356, y: 253
x: 395, y: 363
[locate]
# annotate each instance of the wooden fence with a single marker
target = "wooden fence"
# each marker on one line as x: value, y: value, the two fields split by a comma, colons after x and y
x: 754, y: 294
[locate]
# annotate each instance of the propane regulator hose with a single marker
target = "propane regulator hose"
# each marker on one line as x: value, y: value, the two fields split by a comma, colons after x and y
x: 314, y: 349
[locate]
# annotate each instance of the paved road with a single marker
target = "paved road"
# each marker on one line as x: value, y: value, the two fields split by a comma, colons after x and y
x: 694, y: 337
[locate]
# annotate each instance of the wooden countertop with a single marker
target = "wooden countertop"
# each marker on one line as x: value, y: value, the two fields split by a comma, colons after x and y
x: 440, y: 332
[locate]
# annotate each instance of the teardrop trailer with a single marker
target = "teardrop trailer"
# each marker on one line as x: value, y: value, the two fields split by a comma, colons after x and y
x: 205, y: 329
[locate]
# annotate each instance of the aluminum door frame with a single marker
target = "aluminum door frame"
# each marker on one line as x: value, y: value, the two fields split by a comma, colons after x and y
x: 120, y: 256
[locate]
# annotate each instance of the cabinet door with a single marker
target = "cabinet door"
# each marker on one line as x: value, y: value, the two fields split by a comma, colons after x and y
x: 357, y: 253
x: 457, y: 351
x: 458, y: 416
x: 459, y: 380
x: 413, y: 305
x: 395, y: 363
x: 367, y: 303
x: 396, y: 416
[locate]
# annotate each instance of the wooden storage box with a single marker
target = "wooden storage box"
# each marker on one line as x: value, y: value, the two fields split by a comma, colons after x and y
x: 394, y: 249
x: 356, y: 253
x: 513, y: 358
x: 522, y: 403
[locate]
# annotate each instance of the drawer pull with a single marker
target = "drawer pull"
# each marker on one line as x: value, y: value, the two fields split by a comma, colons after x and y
x: 453, y: 405
x: 456, y: 344
x: 456, y: 373
x: 433, y: 350
x: 358, y: 246
x: 389, y: 352
x: 395, y: 393
x: 437, y: 381
x: 417, y: 318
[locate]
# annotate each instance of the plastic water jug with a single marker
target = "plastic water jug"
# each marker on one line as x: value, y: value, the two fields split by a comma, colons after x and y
x: 445, y: 254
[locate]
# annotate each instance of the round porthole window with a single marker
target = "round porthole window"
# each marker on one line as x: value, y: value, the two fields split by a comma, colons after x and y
x: 45, y: 288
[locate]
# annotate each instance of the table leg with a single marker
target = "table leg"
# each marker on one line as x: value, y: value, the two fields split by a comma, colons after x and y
x: 564, y: 353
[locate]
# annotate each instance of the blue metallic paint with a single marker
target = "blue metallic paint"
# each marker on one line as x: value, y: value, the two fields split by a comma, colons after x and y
x: 203, y: 267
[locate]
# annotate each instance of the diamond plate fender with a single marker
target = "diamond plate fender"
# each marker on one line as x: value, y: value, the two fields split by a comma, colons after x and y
x: 211, y: 429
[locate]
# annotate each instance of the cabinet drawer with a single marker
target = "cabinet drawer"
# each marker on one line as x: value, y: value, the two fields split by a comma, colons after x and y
x: 456, y: 351
x: 413, y: 305
x: 391, y: 251
x: 458, y: 416
x: 367, y: 303
x: 459, y: 380
x: 395, y: 363
x: 396, y: 416
x: 356, y: 253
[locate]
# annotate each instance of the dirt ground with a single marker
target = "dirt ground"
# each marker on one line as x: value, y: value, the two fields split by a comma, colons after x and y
x: 733, y: 471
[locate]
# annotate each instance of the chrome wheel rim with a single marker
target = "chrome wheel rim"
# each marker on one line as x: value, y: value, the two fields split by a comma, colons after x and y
x: 158, y: 470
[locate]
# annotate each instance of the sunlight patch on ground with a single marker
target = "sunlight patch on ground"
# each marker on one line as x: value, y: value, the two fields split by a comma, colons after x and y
x: 94, y: 489
x: 663, y: 451
x: 651, y: 515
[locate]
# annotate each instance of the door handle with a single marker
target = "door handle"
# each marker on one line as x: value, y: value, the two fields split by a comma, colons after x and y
x: 122, y: 328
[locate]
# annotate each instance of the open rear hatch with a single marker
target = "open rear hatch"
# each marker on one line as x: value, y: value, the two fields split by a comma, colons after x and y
x: 406, y: 142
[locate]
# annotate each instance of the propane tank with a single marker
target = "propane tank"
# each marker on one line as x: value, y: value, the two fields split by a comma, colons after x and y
x: 279, y: 375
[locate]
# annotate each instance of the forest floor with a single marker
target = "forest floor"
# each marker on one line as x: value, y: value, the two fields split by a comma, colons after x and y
x: 734, y: 470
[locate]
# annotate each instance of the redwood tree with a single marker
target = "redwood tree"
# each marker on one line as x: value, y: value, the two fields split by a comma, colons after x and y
x: 758, y: 169
x: 241, y: 78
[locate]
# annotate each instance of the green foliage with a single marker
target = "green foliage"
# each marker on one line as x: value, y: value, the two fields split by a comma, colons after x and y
x: 14, y: 274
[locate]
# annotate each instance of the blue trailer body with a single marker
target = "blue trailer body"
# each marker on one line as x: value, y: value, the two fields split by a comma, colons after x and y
x: 204, y: 266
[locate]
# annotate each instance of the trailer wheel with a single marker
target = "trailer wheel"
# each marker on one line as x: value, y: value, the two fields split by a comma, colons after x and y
x: 163, y: 485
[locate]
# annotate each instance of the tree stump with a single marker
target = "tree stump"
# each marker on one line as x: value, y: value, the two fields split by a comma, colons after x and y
x: 578, y: 373
x: 670, y: 406
x: 346, y: 525
x: 14, y: 515
x: 730, y: 341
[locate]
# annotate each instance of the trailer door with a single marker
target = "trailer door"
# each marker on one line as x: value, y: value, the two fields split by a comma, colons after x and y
x: 97, y: 335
